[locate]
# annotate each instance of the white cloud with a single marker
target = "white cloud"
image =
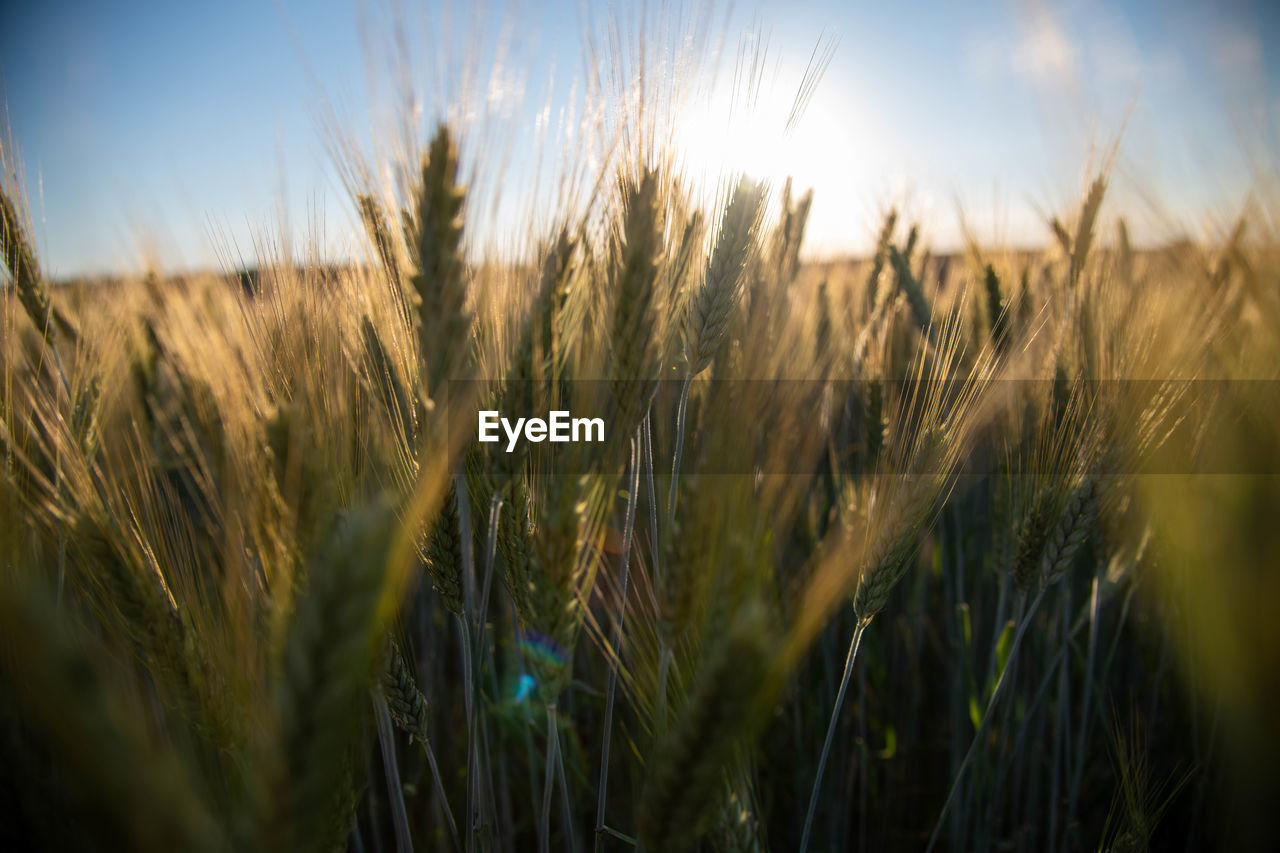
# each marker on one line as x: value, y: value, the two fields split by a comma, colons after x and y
x: 1043, y: 52
x: 1035, y: 48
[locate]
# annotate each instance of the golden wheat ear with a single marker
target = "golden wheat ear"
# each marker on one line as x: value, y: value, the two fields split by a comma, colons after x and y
x: 33, y: 292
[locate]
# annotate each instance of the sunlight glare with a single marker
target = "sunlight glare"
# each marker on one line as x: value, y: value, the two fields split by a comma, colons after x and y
x: 724, y: 135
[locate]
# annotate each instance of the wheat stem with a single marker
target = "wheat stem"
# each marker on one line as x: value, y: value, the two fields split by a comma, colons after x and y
x: 831, y: 730
x: 646, y: 431
x: 664, y: 648
x: 548, y: 781
x: 464, y: 638
x: 564, y: 787
x: 439, y: 783
x: 1023, y: 622
x: 633, y: 486
x: 490, y: 559
x: 395, y: 793
x: 474, y: 800
x: 1084, y: 706
x: 664, y: 670
x: 681, y: 418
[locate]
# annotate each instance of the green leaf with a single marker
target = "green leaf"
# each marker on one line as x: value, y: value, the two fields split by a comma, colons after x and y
x: 1002, y: 653
x: 890, y: 743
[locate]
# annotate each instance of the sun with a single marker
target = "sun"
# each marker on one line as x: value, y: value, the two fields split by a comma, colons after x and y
x: 724, y: 135
x: 765, y: 120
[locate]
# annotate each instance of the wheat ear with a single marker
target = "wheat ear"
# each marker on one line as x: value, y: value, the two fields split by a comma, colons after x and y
x: 1072, y: 529
x: 20, y: 260
x: 633, y: 338
x: 687, y: 772
x: 721, y: 288
x: 330, y: 663
x: 434, y: 235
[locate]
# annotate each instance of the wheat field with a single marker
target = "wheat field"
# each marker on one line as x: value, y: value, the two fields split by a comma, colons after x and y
x: 964, y: 551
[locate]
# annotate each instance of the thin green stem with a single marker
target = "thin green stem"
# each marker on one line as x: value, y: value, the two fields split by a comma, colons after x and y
x: 681, y: 418
x: 646, y: 430
x: 664, y: 669
x: 464, y: 636
x: 633, y: 486
x: 490, y: 559
x: 1078, y: 772
x: 564, y: 788
x: 548, y: 780
x: 831, y: 730
x: 1024, y: 621
x: 664, y: 649
x: 395, y: 792
x: 475, y: 798
x: 444, y: 798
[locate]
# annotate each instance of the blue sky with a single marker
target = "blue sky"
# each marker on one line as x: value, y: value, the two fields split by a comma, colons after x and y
x: 175, y: 132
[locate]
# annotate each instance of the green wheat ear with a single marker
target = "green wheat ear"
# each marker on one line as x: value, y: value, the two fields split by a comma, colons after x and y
x: 685, y: 781
x: 408, y: 706
x: 911, y: 286
x: 549, y: 326
x: 444, y: 555
x: 997, y: 310
x: 633, y: 333
x: 331, y: 660
x: 76, y: 712
x: 721, y: 290
x: 434, y: 234
x: 1033, y: 534
x: 1073, y: 528
x: 738, y: 829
